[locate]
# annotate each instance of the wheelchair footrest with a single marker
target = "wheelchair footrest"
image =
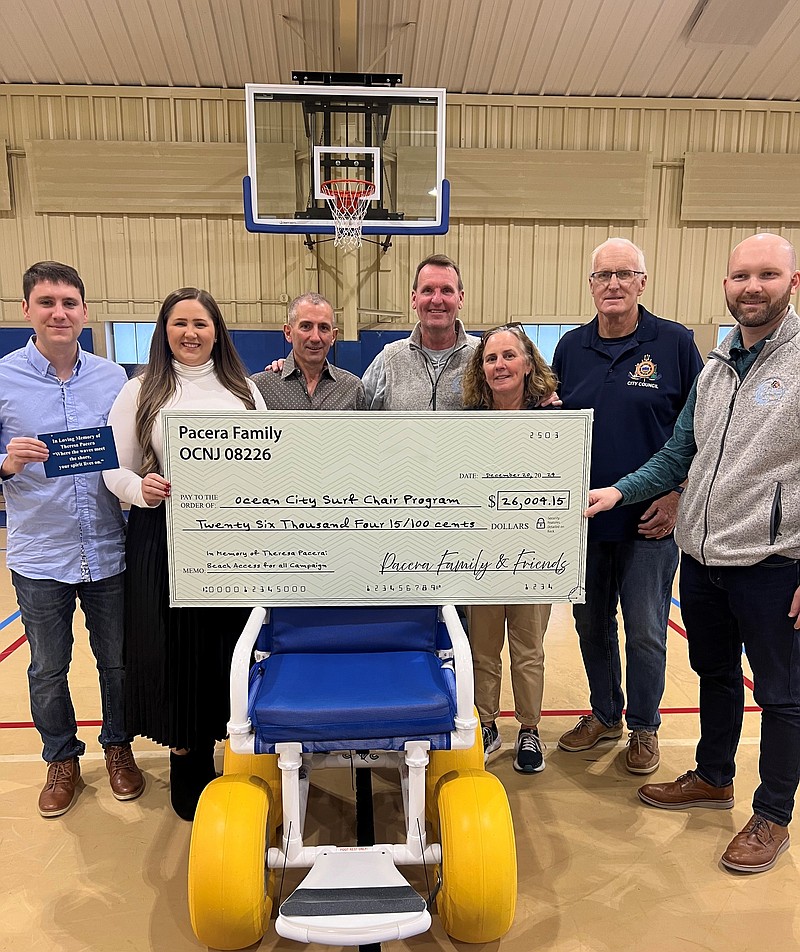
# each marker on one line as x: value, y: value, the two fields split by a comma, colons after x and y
x: 355, y: 896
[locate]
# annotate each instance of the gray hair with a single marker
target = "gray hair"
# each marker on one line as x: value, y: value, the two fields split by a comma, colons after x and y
x: 624, y: 243
x: 310, y: 297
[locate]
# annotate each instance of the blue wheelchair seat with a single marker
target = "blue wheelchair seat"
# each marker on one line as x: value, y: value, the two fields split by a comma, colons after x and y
x: 352, y: 678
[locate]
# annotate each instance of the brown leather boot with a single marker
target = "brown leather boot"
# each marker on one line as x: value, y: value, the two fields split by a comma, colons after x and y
x: 59, y: 792
x: 125, y: 778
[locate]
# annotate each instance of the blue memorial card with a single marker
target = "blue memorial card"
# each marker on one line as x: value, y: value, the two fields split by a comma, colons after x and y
x: 79, y: 451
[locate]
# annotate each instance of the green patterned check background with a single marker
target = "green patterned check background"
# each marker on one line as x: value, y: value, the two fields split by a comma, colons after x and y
x: 326, y: 508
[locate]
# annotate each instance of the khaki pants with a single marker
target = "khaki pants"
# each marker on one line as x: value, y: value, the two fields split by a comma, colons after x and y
x: 526, y: 627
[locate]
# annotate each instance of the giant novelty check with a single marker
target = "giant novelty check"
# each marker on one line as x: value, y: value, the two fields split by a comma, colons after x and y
x: 327, y: 508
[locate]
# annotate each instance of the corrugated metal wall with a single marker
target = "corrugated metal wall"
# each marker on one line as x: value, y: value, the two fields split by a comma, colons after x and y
x: 512, y: 268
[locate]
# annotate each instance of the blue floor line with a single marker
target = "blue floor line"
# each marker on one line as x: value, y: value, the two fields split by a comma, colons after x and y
x: 8, y: 620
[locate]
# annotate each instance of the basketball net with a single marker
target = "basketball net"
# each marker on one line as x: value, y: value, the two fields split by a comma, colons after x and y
x: 348, y: 200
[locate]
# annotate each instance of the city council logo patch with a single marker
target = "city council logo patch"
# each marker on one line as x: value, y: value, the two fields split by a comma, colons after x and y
x: 646, y: 369
x: 770, y: 392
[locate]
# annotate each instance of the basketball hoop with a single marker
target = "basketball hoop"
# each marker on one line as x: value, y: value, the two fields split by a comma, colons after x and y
x: 348, y: 200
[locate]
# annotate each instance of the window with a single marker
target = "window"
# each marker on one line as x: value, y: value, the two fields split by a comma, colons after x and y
x: 546, y: 336
x: 129, y: 341
x: 722, y: 332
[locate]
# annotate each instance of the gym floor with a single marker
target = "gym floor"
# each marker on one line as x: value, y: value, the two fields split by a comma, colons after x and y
x: 598, y: 870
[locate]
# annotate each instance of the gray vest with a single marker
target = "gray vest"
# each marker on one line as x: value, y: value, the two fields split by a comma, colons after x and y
x: 742, y: 502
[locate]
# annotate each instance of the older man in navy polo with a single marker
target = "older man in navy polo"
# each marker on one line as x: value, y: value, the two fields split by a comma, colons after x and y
x: 635, y: 370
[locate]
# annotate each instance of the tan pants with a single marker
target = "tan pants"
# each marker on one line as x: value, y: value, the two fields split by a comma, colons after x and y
x: 526, y: 627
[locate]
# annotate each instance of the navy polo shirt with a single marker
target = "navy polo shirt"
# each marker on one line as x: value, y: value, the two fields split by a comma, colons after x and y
x: 636, y: 390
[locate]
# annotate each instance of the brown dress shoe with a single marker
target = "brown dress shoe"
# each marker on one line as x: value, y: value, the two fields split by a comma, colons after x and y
x: 125, y: 778
x: 642, y: 756
x: 687, y: 791
x: 757, y: 847
x: 59, y: 792
x: 587, y: 732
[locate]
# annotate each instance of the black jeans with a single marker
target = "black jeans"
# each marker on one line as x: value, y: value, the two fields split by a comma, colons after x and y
x: 723, y: 608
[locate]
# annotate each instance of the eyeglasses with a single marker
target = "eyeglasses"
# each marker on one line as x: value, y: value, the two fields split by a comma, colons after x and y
x: 624, y: 277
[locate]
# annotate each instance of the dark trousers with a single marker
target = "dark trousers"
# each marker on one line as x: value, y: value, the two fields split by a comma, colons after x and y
x: 636, y: 575
x: 723, y: 608
x: 47, y: 607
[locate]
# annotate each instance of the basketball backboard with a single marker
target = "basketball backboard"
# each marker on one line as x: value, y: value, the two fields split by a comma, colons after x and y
x: 301, y: 137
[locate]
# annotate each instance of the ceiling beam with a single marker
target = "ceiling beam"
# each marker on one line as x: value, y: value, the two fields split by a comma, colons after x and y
x: 348, y: 35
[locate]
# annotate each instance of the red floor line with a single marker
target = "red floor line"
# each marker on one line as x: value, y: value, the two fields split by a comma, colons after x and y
x: 749, y: 709
x: 672, y: 624
x: 12, y: 647
x: 10, y: 725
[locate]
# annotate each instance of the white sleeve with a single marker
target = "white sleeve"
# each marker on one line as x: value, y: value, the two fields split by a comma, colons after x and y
x: 374, y: 381
x: 125, y: 482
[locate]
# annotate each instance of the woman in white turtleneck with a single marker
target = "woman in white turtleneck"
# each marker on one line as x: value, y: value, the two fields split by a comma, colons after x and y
x: 176, y: 659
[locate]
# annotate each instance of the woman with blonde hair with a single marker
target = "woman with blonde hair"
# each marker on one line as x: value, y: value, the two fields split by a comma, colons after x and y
x: 177, y: 660
x: 507, y: 372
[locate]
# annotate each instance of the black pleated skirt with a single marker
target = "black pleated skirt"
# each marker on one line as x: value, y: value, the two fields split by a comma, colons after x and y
x: 177, y: 660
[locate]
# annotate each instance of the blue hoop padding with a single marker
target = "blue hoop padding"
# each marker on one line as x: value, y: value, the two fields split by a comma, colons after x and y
x: 310, y: 227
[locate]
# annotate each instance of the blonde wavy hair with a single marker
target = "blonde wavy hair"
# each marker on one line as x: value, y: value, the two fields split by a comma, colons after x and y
x: 540, y: 381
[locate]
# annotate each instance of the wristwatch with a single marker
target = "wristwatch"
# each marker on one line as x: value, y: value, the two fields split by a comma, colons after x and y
x: 679, y: 490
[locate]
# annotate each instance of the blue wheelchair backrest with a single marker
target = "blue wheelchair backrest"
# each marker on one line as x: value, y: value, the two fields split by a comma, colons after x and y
x: 352, y: 629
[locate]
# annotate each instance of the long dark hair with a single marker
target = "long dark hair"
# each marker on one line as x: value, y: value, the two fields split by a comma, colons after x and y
x: 540, y: 381
x: 158, y: 377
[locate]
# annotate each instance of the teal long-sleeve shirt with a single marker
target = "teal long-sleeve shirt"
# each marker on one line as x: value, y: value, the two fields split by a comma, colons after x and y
x: 668, y: 468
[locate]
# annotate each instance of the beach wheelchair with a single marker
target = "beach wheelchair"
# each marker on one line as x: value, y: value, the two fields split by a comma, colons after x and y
x: 383, y: 686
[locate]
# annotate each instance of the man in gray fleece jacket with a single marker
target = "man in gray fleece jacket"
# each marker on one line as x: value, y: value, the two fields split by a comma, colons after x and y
x: 738, y: 440
x: 423, y: 371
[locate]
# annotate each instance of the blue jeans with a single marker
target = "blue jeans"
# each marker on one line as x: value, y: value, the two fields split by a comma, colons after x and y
x: 47, y: 608
x: 722, y: 609
x: 638, y: 576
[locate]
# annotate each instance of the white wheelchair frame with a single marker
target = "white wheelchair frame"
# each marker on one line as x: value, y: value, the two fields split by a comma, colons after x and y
x: 368, y: 872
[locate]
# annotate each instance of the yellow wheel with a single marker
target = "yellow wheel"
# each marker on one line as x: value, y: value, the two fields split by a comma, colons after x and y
x: 264, y: 766
x: 479, y: 861
x: 442, y: 762
x: 229, y: 905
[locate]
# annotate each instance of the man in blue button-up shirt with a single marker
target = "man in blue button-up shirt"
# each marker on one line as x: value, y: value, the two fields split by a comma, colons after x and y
x: 66, y: 535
